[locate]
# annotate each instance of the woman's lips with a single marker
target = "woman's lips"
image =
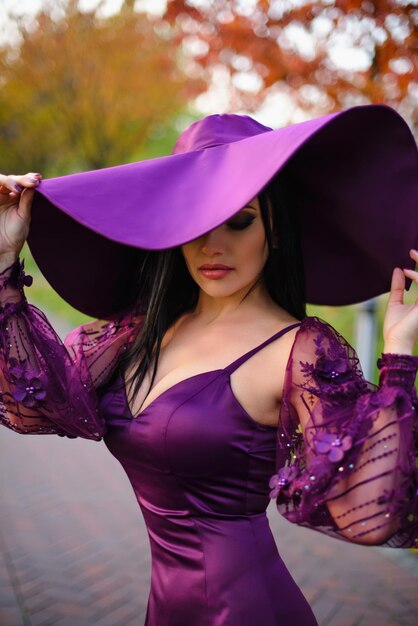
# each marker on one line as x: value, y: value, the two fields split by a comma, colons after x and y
x: 215, y: 272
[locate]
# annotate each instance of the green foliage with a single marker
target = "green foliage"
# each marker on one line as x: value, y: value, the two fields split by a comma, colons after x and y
x: 84, y: 92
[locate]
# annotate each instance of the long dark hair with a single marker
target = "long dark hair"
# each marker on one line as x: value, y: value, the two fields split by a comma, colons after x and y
x: 161, y: 300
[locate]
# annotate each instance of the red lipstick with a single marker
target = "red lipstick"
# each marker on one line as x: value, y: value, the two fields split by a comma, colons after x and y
x: 214, y: 271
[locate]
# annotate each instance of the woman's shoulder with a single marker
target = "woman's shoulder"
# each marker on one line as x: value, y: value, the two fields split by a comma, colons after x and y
x: 315, y: 335
x: 320, y: 332
x: 308, y: 336
x: 318, y: 347
x: 315, y: 324
x: 295, y: 327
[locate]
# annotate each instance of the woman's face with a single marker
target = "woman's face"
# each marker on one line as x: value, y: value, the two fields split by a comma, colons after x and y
x: 232, y: 256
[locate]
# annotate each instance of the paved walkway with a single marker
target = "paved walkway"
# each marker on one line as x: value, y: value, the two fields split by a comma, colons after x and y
x: 74, y: 550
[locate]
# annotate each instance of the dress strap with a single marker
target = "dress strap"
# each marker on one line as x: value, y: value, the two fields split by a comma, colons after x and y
x: 233, y: 366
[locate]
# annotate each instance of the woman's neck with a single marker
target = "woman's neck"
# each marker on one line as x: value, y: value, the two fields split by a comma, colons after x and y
x: 248, y: 301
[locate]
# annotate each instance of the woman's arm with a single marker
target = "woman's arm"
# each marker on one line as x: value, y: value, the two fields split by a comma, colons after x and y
x: 346, y: 448
x: 46, y: 387
x: 49, y: 387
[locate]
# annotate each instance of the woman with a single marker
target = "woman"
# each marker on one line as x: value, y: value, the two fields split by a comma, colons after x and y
x: 227, y: 382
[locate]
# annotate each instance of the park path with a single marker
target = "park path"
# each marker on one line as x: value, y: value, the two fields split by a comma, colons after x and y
x: 74, y: 550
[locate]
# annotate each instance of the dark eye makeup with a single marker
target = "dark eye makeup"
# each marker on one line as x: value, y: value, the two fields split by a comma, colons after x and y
x: 240, y: 222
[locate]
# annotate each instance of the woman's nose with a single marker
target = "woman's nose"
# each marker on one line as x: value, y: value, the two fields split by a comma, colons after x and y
x: 213, y: 243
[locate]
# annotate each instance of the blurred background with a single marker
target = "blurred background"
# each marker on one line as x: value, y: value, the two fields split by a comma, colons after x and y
x: 86, y: 84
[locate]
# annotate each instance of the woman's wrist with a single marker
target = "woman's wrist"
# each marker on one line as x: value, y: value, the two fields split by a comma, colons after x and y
x: 398, y: 369
x: 7, y: 259
x: 13, y: 280
x: 397, y: 348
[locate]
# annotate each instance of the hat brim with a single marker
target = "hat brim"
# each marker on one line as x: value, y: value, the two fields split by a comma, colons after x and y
x: 356, y: 194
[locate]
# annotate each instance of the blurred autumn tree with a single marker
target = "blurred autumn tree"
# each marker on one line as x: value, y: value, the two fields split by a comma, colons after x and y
x: 305, y: 48
x: 81, y: 91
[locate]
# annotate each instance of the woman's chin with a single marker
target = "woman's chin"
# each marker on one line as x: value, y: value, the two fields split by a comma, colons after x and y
x: 220, y: 289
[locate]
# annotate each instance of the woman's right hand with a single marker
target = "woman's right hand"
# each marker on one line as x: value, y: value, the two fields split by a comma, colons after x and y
x: 16, y: 195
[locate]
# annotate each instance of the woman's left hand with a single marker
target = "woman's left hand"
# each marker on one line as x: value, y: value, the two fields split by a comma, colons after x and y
x: 400, y: 325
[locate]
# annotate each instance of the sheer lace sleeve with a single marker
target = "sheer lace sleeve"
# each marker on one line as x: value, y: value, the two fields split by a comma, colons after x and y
x: 47, y: 386
x: 346, y: 447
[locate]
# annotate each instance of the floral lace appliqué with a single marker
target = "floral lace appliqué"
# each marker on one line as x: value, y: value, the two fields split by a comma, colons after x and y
x: 332, y: 375
x: 29, y: 385
x: 332, y: 445
x: 282, y: 480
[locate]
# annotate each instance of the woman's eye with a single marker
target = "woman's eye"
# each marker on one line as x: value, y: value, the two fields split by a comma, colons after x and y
x: 240, y: 224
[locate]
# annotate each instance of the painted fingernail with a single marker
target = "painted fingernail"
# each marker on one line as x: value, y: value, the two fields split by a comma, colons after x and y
x: 18, y: 187
x: 33, y: 180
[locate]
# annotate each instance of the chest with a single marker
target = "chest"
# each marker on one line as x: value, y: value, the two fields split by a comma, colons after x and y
x: 195, y: 431
x: 257, y: 382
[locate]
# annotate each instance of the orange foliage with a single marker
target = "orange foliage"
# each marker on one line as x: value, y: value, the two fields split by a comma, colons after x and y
x: 385, y: 30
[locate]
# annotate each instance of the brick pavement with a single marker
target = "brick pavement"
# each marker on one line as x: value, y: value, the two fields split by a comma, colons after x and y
x: 74, y: 549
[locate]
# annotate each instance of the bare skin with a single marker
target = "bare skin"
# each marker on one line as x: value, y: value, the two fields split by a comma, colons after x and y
x: 257, y: 384
x: 222, y: 327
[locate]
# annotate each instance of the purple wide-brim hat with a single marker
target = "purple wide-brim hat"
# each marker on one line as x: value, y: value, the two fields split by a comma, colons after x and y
x: 354, y: 186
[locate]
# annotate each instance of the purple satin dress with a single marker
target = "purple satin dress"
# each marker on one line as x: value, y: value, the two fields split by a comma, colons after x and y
x: 200, y: 468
